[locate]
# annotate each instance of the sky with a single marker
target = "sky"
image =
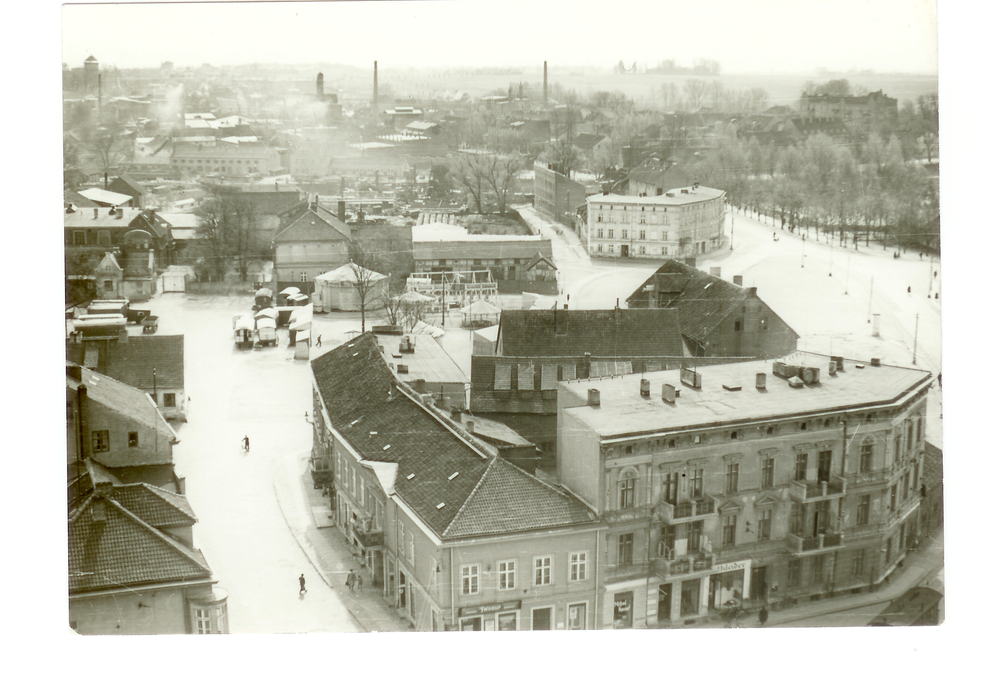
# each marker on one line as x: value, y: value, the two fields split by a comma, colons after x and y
x: 744, y: 36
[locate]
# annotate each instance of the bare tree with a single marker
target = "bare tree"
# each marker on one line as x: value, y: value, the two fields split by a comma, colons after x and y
x: 502, y: 171
x: 696, y: 91
x: 471, y: 171
x: 229, y: 227
x: 111, y: 150
x: 562, y: 155
x: 365, y: 266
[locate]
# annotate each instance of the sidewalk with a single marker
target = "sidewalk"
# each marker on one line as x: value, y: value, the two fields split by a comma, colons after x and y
x: 330, y: 555
x: 918, y: 567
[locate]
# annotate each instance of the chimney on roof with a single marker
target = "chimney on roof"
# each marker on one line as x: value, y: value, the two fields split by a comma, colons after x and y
x: 74, y: 372
x: 319, y: 85
x: 762, y: 380
x: 470, y: 426
x: 840, y: 362
x: 833, y: 368
x: 98, y: 512
x: 375, y: 90
x: 669, y: 393
x: 95, y: 213
x: 594, y: 398
x: 119, y: 212
x: 342, y: 211
x: 456, y: 414
x: 545, y: 83
x: 105, y: 180
x: 752, y: 291
x: 738, y: 280
x: 644, y: 388
x: 876, y: 362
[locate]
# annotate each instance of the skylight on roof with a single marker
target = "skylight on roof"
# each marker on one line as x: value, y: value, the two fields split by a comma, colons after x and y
x: 372, y: 433
x: 355, y: 422
x: 411, y: 475
x: 705, y: 287
x: 453, y: 476
x: 439, y: 506
x: 387, y: 447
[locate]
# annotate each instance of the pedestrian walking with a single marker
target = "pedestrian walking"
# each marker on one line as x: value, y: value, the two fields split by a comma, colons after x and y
x: 302, y: 584
x: 361, y: 580
x: 350, y: 580
x: 319, y: 340
x: 908, y: 290
x: 762, y: 616
x: 246, y: 443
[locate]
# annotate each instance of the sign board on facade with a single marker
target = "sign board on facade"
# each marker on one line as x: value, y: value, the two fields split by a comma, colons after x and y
x: 490, y: 609
x: 731, y: 566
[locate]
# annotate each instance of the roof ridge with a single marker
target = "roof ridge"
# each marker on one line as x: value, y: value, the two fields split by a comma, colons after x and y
x: 191, y: 553
x: 165, y: 496
x: 472, y: 494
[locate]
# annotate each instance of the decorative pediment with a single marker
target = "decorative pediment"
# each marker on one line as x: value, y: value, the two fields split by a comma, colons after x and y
x: 733, y: 457
x: 804, y: 447
x: 697, y: 462
x: 671, y: 466
x: 769, y: 499
x: 768, y: 452
x: 826, y: 445
x: 731, y: 506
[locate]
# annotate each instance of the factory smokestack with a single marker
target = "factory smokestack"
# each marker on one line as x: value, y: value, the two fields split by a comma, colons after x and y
x: 98, y: 97
x: 375, y: 90
x: 545, y: 83
x: 319, y: 85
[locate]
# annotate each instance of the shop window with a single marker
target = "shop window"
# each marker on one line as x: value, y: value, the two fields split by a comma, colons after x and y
x: 625, y: 547
x: 169, y: 400
x: 100, y: 440
x: 133, y: 439
x: 543, y: 571
x: 506, y: 575
x: 623, y: 610
x: 470, y: 579
x: 577, y: 566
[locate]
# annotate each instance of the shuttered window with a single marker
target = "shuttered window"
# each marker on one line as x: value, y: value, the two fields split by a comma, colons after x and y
x: 502, y: 377
x: 525, y: 377
x: 549, y: 377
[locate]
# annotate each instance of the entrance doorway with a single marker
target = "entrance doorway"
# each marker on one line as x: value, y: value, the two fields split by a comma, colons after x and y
x: 541, y: 619
x: 624, y: 250
x: 689, y: 596
x: 758, y: 583
x: 472, y: 624
x: 665, y: 601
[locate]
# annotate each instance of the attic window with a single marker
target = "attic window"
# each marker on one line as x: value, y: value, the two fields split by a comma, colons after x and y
x: 453, y: 476
x: 410, y: 476
x: 439, y: 506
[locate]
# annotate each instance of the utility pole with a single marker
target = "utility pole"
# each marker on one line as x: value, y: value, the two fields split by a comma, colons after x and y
x: 848, y: 278
x: 871, y: 293
x: 915, y: 328
x: 732, y: 231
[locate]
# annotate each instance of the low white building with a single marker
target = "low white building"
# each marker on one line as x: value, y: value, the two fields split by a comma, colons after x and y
x: 337, y: 290
x: 682, y: 222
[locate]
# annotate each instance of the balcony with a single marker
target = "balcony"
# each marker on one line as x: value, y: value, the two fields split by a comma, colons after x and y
x: 810, y: 491
x: 687, y: 564
x: 685, y: 511
x: 367, y: 539
x: 798, y: 545
x: 633, y: 514
x: 624, y: 572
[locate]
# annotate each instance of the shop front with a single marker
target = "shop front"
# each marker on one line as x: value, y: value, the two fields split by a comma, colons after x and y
x: 699, y: 593
x: 497, y: 616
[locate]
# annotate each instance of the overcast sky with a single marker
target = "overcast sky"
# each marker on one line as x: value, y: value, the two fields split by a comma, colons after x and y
x: 745, y: 36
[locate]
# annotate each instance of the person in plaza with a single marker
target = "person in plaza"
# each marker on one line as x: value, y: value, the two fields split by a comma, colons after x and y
x: 762, y: 616
x: 319, y: 340
x: 302, y: 584
x: 246, y: 443
x: 360, y: 580
x: 350, y: 580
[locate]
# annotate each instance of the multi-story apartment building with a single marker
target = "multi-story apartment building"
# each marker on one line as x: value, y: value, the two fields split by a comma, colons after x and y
x: 454, y: 535
x: 310, y: 241
x: 681, y: 222
x: 730, y: 484
x: 865, y: 109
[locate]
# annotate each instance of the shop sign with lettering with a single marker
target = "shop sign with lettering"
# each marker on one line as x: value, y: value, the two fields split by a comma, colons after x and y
x: 490, y: 609
x: 730, y: 566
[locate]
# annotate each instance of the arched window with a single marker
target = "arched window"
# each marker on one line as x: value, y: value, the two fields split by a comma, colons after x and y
x: 626, y: 488
x: 867, y: 457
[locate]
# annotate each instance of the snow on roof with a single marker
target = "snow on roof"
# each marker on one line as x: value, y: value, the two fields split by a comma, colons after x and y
x: 370, y: 145
x: 444, y: 232
x: 702, y: 194
x: 180, y: 220
x: 206, y: 116
x: 237, y: 139
x: 346, y: 274
x: 105, y: 196
x: 421, y: 125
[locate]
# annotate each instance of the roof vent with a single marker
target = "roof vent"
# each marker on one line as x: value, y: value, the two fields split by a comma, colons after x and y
x: 439, y: 506
x: 796, y: 383
x: 387, y: 447
x: 860, y: 366
x: 410, y: 476
x: 732, y: 387
x: 840, y: 362
x: 593, y: 397
x: 453, y: 476
x: 833, y: 368
x: 644, y: 388
x: 762, y: 380
x: 691, y: 378
x: 354, y: 422
x: 876, y: 362
x: 669, y: 393
x: 470, y: 426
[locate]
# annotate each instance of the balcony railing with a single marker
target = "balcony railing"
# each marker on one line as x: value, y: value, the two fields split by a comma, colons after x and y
x: 367, y: 538
x: 640, y: 512
x: 687, y: 564
x: 694, y: 508
x: 799, y: 545
x: 804, y: 491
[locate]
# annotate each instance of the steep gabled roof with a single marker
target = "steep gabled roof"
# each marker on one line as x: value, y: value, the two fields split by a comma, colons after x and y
x: 135, y: 361
x: 123, y: 399
x: 639, y: 332
x: 439, y: 473
x: 112, y: 547
x: 311, y: 223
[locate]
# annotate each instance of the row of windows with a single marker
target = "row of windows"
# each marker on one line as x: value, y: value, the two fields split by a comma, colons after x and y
x: 506, y: 572
x: 100, y: 440
x: 639, y: 250
x: 80, y: 237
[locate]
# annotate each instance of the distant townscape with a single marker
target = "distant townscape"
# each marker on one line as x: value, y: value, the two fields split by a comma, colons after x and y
x: 350, y: 351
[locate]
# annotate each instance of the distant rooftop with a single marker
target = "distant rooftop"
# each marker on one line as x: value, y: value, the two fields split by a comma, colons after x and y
x: 692, y: 196
x: 625, y: 411
x: 445, y: 232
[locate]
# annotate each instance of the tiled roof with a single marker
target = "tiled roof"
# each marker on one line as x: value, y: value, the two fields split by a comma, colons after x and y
x: 702, y: 301
x: 509, y: 500
x: 639, y: 332
x: 124, y: 550
x: 157, y: 507
x: 391, y: 427
x: 124, y: 400
x: 311, y: 225
x: 134, y: 361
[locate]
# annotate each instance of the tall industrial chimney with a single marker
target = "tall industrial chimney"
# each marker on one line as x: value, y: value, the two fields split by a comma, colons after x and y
x: 319, y: 85
x: 375, y: 90
x: 545, y: 83
x: 98, y: 97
